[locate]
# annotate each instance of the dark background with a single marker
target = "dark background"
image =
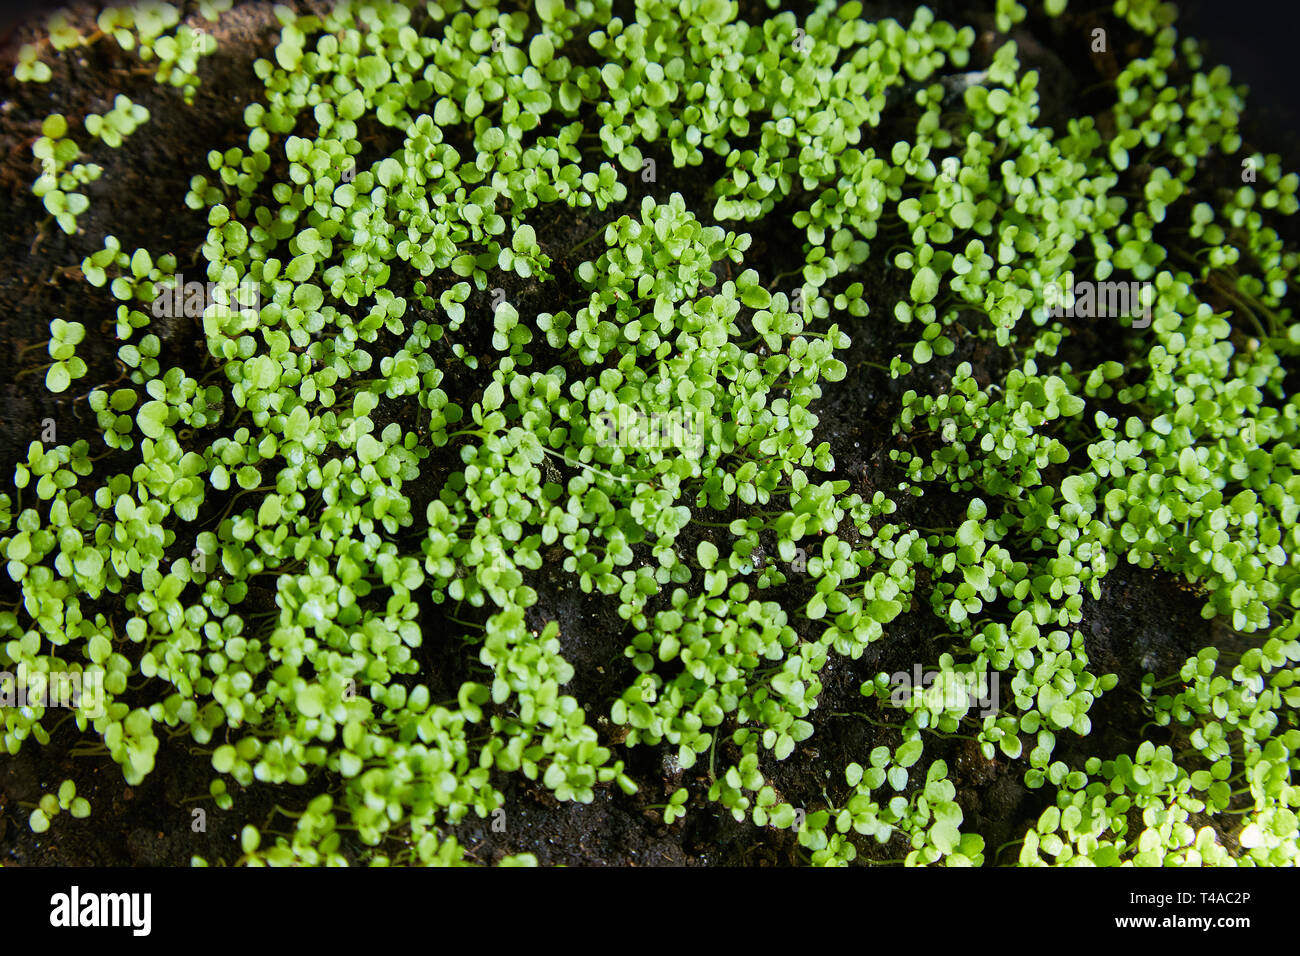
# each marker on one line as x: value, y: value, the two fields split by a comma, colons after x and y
x: 1256, y: 38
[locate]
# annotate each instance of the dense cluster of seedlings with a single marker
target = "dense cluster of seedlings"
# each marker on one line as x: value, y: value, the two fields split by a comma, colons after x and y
x: 343, y: 288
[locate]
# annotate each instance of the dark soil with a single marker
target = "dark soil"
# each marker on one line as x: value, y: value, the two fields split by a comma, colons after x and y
x: 1143, y: 621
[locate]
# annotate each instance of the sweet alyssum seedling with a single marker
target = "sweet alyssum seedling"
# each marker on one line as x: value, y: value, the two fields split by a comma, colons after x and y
x: 397, y: 429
